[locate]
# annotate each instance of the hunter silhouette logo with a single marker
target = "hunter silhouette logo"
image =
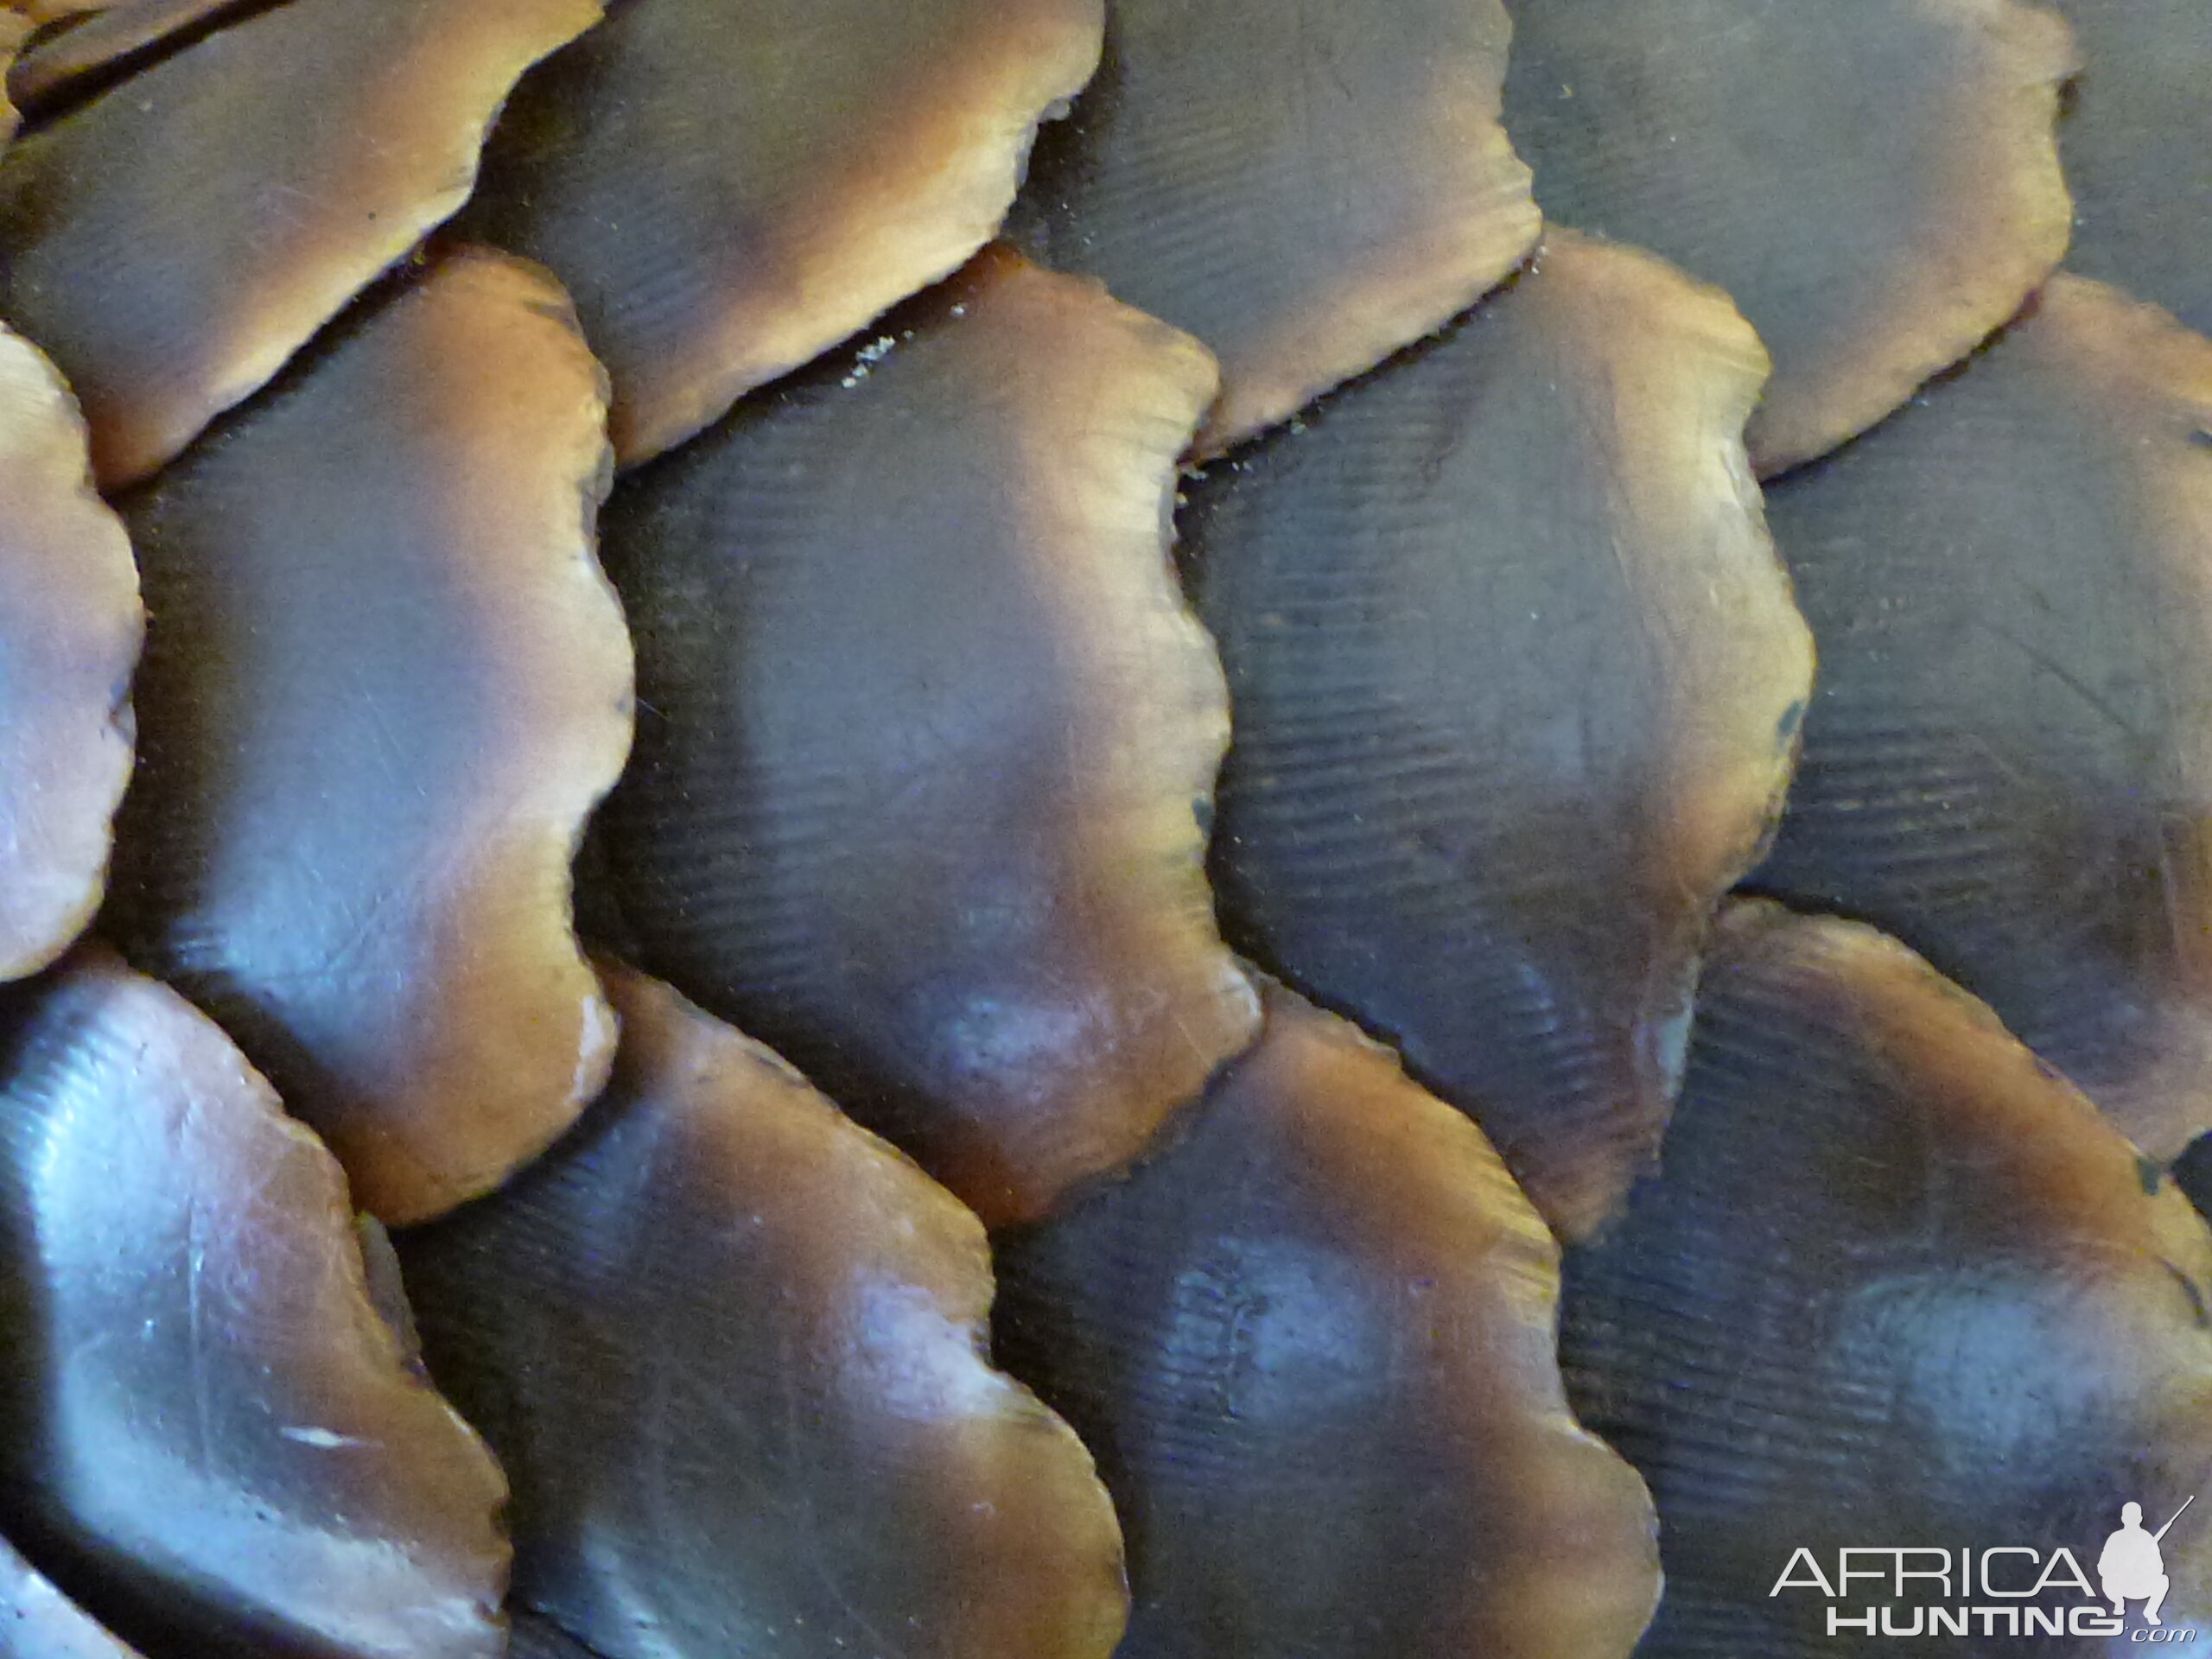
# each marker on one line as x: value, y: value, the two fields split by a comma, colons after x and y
x: 2131, y: 1568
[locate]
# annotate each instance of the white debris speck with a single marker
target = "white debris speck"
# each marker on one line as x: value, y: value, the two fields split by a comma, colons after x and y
x: 320, y: 1437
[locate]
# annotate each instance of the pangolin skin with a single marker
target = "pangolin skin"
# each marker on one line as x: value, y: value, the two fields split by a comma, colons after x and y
x: 1516, y: 680
x: 172, y: 243
x: 70, y: 631
x: 15, y: 30
x: 1896, y: 1284
x: 928, y: 731
x: 930, y: 772
x: 2008, y: 761
x: 1311, y: 1342
x: 1877, y: 185
x: 1306, y: 186
x: 730, y: 187
x: 386, y: 683
x: 205, y: 1427
x: 2137, y: 143
x: 731, y: 1347
x: 68, y: 66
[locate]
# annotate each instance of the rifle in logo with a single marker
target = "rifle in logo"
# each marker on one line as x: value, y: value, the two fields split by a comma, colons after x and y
x: 2131, y: 1568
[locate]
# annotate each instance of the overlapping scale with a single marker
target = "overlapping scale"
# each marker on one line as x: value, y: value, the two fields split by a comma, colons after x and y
x: 48, y: 11
x: 1876, y: 184
x: 68, y: 65
x: 928, y: 732
x: 70, y: 630
x: 384, y: 684
x: 729, y: 189
x: 1516, y: 680
x: 172, y: 243
x: 927, y: 777
x: 1896, y: 1284
x: 2137, y: 143
x: 730, y: 1346
x: 2008, y: 763
x: 1311, y: 1344
x: 1306, y: 186
x: 207, y: 1433
x: 16, y: 30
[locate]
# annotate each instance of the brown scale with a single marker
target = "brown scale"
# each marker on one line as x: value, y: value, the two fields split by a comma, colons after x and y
x: 1517, y: 679
x: 70, y: 630
x: 729, y: 188
x: 930, y: 729
x: 731, y: 1349
x: 67, y: 65
x: 1876, y: 184
x: 1304, y: 184
x: 2137, y: 142
x: 207, y: 1432
x: 171, y: 243
x: 385, y: 683
x: 50, y: 11
x: 16, y: 31
x: 1311, y: 1344
x: 2008, y: 763
x: 1897, y: 1284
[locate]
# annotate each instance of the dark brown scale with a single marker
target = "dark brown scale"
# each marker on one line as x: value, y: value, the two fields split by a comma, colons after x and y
x: 2137, y: 142
x: 172, y: 243
x: 207, y: 1433
x: 1516, y: 680
x: 1876, y: 184
x: 2192, y: 1172
x: 16, y: 30
x: 730, y: 1347
x: 386, y: 683
x: 729, y: 188
x: 1304, y: 184
x: 1311, y: 1342
x: 2008, y: 758
x: 928, y: 730
x: 44, y: 12
x: 64, y: 66
x: 1897, y: 1284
